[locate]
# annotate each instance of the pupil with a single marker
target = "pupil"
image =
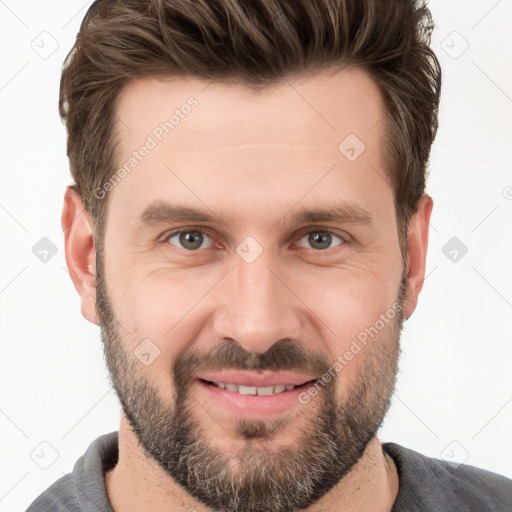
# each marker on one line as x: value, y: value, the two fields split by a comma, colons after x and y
x: 322, y: 239
x: 193, y: 240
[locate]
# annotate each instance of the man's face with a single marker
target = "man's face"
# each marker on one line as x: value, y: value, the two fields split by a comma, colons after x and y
x: 256, y: 295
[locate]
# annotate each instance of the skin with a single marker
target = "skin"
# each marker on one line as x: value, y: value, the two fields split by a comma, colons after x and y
x: 257, y: 158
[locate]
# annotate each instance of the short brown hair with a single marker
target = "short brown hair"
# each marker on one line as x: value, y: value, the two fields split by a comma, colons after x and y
x: 257, y: 43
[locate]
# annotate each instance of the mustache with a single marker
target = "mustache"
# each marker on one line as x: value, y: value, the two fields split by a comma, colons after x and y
x: 284, y: 355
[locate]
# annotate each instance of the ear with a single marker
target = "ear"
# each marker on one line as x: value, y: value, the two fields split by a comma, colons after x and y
x: 417, y: 240
x: 80, y: 251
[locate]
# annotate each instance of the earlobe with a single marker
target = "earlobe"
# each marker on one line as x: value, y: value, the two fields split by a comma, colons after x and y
x: 417, y: 240
x: 80, y: 251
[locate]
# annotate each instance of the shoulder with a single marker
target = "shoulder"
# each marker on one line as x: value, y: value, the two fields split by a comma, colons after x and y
x: 58, y: 497
x: 431, y: 484
x: 83, y: 490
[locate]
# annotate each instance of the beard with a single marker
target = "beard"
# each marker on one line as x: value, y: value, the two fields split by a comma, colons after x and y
x: 334, y: 434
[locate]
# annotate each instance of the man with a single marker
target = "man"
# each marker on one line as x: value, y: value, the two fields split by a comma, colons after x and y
x: 249, y: 227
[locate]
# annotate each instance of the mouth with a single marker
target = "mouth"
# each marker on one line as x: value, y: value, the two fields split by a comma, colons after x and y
x: 256, y: 390
x: 256, y: 397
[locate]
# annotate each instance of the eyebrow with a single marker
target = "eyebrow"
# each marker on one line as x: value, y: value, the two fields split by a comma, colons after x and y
x: 161, y: 212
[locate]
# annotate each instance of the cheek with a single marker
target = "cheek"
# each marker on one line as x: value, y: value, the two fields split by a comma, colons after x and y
x: 364, y: 338
x: 164, y: 307
x: 352, y: 301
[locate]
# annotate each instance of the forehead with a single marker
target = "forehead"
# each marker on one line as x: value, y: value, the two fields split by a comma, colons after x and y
x: 200, y: 138
x: 345, y: 102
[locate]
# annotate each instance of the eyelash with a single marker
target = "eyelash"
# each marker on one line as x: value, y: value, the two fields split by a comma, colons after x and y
x: 343, y: 238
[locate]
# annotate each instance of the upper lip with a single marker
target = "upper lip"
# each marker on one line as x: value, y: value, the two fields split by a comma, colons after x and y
x: 258, y: 380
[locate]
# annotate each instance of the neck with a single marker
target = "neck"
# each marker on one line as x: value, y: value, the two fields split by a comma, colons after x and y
x: 138, y: 483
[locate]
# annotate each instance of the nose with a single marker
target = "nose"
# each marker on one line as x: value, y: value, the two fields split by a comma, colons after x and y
x: 256, y: 307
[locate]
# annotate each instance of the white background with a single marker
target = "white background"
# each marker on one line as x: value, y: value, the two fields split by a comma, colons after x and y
x: 454, y: 394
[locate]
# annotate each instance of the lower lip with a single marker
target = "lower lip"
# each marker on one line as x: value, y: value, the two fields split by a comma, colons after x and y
x: 254, y: 406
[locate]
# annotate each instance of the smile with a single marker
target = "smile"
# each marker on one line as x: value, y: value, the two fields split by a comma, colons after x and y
x: 253, y: 390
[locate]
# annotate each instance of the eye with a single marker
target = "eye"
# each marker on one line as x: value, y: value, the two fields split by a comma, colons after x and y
x: 321, y: 239
x: 190, y: 240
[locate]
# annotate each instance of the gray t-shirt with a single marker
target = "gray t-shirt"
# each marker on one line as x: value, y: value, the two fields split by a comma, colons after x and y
x: 426, y: 484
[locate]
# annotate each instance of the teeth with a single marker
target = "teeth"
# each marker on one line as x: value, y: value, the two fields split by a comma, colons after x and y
x: 253, y: 390
x: 247, y: 390
x: 267, y: 390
